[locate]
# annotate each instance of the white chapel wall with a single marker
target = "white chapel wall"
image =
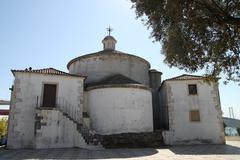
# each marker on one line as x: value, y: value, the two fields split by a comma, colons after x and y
x: 182, y: 131
x: 120, y: 110
x: 57, y: 132
x: 29, y: 86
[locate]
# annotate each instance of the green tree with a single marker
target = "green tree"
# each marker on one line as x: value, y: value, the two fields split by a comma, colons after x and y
x: 196, y: 34
x: 3, y: 126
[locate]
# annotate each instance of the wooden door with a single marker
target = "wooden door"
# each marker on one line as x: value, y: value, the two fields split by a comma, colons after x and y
x: 49, y: 95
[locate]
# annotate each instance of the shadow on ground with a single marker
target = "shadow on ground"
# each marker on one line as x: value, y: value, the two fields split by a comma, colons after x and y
x: 205, y: 149
x: 73, y: 153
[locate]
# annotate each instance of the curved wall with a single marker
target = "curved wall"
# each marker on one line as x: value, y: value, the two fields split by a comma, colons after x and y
x: 121, y: 109
x: 106, y: 63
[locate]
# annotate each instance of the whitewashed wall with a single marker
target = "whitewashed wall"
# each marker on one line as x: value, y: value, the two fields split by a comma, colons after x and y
x: 58, y: 131
x: 101, y: 65
x: 27, y: 86
x: 179, y: 102
x: 120, y: 110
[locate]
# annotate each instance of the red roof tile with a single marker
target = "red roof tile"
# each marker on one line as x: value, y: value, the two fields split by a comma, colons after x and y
x: 185, y: 77
x: 51, y: 71
x: 4, y: 112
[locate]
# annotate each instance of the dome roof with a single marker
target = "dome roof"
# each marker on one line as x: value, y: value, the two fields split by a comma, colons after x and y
x: 109, y: 38
x: 109, y: 43
x: 114, y: 79
x: 115, y: 53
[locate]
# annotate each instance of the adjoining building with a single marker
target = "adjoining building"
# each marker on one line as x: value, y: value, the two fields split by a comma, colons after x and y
x: 232, y: 126
x: 4, y: 108
x: 109, y: 96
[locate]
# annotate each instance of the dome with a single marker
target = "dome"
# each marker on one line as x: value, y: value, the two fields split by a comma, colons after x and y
x: 109, y: 43
x: 100, y: 65
x: 110, y: 62
x: 109, y: 38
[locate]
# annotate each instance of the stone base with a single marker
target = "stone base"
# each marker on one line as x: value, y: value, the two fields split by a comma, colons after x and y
x: 133, y: 140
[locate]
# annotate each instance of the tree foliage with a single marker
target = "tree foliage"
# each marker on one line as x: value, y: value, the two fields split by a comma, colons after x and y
x: 3, y: 127
x: 196, y: 34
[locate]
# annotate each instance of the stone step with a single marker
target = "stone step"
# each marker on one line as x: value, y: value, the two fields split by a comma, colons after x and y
x: 94, y: 147
x: 84, y: 132
x: 133, y: 140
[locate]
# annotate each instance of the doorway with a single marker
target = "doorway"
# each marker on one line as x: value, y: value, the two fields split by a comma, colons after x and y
x: 49, y: 95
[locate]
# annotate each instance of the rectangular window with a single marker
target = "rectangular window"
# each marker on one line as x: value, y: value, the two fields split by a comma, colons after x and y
x: 194, y: 115
x: 192, y: 89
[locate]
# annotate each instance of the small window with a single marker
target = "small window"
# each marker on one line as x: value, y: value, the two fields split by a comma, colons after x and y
x: 194, y: 115
x: 192, y: 89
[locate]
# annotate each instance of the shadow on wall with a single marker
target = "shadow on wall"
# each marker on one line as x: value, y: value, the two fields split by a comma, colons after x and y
x: 205, y: 149
x: 74, y: 153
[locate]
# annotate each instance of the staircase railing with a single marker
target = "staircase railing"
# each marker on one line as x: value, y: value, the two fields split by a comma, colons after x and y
x: 89, y: 135
x: 65, y: 106
x: 73, y: 112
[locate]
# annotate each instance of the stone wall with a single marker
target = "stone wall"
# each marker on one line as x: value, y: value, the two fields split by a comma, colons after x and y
x: 103, y: 64
x: 21, y: 116
x: 133, y: 140
x: 122, y: 109
x: 163, y: 107
x: 26, y: 96
x: 183, y: 131
x: 54, y: 130
x: 155, y: 82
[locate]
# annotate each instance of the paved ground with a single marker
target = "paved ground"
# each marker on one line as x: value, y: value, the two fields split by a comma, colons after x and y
x: 231, y: 151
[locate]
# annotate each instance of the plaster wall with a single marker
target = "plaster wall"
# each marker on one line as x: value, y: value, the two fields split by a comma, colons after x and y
x: 103, y: 65
x: 163, y: 107
x: 155, y: 82
x: 155, y: 79
x: 85, y: 104
x: 29, y: 86
x: 57, y: 131
x: 120, y: 110
x: 179, y: 102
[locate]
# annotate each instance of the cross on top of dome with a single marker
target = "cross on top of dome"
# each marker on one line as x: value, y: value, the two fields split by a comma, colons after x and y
x: 109, y: 41
x: 109, y: 29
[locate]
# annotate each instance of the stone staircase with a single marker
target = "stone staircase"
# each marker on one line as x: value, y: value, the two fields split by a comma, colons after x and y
x: 67, y: 131
x: 90, y: 136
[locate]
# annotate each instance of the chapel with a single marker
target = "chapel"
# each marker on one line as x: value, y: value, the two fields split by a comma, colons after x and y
x: 111, y: 99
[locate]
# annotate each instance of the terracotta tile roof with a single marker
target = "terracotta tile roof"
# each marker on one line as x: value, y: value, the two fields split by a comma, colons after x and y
x: 51, y: 71
x: 4, y: 112
x: 185, y: 77
x: 182, y: 77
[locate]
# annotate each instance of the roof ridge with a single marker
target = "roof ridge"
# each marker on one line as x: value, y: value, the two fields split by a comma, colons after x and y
x: 176, y: 78
x: 49, y: 70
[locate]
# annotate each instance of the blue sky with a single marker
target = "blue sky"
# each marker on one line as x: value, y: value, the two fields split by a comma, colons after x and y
x: 49, y: 33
